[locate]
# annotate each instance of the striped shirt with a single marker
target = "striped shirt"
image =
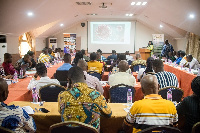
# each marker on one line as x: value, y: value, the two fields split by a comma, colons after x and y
x: 43, y: 58
x: 166, y: 79
x: 151, y: 111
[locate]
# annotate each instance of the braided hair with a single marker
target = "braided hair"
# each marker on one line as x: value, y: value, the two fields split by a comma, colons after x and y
x: 195, y: 85
x: 149, y: 63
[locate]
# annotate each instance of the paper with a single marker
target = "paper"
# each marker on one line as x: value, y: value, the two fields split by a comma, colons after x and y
x: 103, y: 83
x: 28, y: 109
x: 30, y: 72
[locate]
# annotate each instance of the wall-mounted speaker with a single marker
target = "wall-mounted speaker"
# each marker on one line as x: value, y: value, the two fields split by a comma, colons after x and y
x: 83, y: 24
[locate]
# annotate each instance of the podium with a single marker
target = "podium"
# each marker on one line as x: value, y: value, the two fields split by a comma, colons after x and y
x: 145, y: 53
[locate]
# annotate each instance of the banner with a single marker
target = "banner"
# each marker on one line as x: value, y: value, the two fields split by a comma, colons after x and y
x: 69, y: 42
x: 158, y: 42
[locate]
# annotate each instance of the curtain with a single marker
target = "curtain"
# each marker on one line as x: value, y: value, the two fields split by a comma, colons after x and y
x: 20, y: 41
x: 193, y: 45
x: 29, y: 40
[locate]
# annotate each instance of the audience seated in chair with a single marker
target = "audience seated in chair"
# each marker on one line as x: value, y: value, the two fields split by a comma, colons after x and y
x: 161, y: 129
x: 81, y: 103
x: 129, y: 58
x: 67, y: 63
x: 7, y: 65
x: 86, y: 58
x: 138, y: 61
x: 113, y: 56
x: 164, y: 78
x: 150, y: 111
x: 188, y: 110
x: 102, y: 57
x: 31, y: 53
x: 94, y: 65
x: 41, y: 71
x: 26, y: 61
x: 122, y: 77
x: 13, y: 117
x: 44, y: 57
x: 91, y: 81
x: 192, y: 62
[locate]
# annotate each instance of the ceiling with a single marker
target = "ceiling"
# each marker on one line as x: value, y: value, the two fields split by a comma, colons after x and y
x: 49, y: 14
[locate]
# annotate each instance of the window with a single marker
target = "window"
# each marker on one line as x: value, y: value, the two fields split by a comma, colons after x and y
x: 24, y: 47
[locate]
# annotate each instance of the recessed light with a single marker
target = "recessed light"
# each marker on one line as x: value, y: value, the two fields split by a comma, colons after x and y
x: 161, y: 26
x: 132, y: 3
x: 127, y: 14
x: 144, y: 3
x: 30, y: 14
x: 61, y: 24
x: 130, y: 14
x: 138, y: 3
x: 191, y: 16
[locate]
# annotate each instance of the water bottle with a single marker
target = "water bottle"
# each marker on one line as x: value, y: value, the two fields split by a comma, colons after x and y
x: 3, y: 72
x: 139, y: 67
x: 169, y: 95
x: 15, y: 77
x: 198, y: 72
x: 129, y: 97
x: 109, y: 74
x: 34, y: 95
x: 21, y: 73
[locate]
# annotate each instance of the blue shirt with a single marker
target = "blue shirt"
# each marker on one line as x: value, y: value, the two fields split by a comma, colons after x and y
x: 65, y: 66
x: 114, y: 57
x: 166, y: 49
x: 178, y: 60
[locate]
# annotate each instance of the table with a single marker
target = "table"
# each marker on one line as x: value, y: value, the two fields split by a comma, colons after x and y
x: 105, y: 76
x: 45, y: 120
x: 19, y: 92
x: 184, y: 78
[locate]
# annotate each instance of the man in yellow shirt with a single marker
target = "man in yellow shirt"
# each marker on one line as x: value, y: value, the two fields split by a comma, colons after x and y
x: 150, y: 111
x: 94, y: 65
x: 44, y: 57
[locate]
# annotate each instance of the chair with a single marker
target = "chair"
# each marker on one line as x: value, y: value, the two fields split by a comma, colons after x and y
x: 61, y: 76
x: 95, y: 74
x: 118, y: 93
x: 160, y: 129
x: 129, y: 62
x: 49, y: 93
x: 177, y: 93
x: 65, y: 127
x: 196, y: 128
x: 136, y: 67
x: 108, y: 62
x: 5, y: 130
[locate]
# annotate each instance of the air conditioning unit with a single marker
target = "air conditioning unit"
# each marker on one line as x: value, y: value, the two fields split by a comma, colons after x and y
x: 3, y: 48
x: 53, y: 43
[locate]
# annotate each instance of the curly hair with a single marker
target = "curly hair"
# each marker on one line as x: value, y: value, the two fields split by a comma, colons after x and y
x: 41, y: 69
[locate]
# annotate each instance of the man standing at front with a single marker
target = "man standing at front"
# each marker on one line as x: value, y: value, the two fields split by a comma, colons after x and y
x: 81, y: 103
x: 150, y: 111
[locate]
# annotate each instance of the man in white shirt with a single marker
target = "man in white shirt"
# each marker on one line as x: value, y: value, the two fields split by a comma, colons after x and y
x: 44, y: 79
x: 192, y: 62
x: 91, y: 81
x: 122, y: 77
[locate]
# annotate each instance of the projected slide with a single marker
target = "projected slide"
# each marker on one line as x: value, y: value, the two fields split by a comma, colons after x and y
x: 110, y: 32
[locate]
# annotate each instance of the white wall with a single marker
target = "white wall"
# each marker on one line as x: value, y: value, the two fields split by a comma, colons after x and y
x: 13, y: 44
x: 40, y: 43
x: 181, y: 44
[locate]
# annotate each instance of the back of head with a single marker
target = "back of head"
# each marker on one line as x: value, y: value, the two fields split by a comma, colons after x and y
x: 98, y: 56
x: 49, y: 50
x: 149, y: 85
x: 195, y: 85
x: 113, y: 52
x: 3, y: 90
x: 138, y: 56
x: 67, y: 58
x: 31, y: 53
x: 123, y: 66
x: 45, y: 51
x: 78, y: 56
x: 41, y: 69
x: 149, y: 63
x: 122, y: 57
x: 127, y: 53
x: 93, y: 56
x: 182, y: 54
x: 158, y: 65
x: 76, y: 74
x: 26, y: 57
x: 118, y: 56
x: 7, y: 56
x: 166, y: 42
x: 99, y: 50
x: 83, y: 51
x: 82, y: 64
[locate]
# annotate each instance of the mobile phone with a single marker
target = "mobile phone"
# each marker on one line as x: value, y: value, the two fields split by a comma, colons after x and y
x: 43, y: 110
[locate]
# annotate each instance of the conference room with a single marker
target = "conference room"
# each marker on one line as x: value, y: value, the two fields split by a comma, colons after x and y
x: 114, y: 34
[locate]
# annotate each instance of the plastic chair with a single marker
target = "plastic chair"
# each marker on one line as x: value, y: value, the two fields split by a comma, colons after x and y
x: 5, y: 130
x: 160, y: 129
x: 49, y: 93
x: 177, y: 93
x: 118, y: 93
x: 136, y: 67
x: 95, y: 74
x: 78, y: 127
x: 61, y: 76
x: 196, y: 128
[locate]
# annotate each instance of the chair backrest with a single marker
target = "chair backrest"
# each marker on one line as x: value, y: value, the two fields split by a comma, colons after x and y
x: 62, y: 76
x: 5, y: 130
x: 95, y: 74
x: 118, y: 93
x: 160, y: 129
x: 196, y: 128
x: 136, y: 67
x: 66, y: 127
x: 108, y: 62
x: 49, y: 93
x: 129, y: 62
x: 177, y: 93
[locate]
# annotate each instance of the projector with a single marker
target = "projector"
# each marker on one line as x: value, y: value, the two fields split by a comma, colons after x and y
x: 103, y: 6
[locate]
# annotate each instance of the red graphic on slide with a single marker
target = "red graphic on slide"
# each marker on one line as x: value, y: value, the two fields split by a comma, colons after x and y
x: 103, y: 32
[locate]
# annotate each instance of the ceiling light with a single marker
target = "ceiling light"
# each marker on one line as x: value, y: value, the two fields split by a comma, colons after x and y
x: 130, y: 14
x: 61, y: 24
x: 191, y: 16
x: 127, y: 14
x: 132, y: 3
x: 138, y: 3
x: 30, y: 14
x: 144, y: 3
x: 161, y: 26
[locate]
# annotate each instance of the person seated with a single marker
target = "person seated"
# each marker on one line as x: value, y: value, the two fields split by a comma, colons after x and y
x: 179, y: 58
x: 78, y: 56
x: 14, y: 117
x: 175, y: 55
x: 44, y: 58
x: 91, y: 81
x: 67, y: 63
x: 102, y: 57
x: 86, y: 58
x: 128, y: 56
x: 41, y: 71
x: 188, y: 110
x: 50, y: 54
x: 122, y: 77
x: 7, y: 65
x: 81, y: 103
x: 149, y: 69
x: 31, y: 53
x: 113, y: 56
x: 184, y: 59
x: 192, y: 62
x: 164, y: 78
x: 26, y: 61
x: 120, y: 57
x: 171, y: 57
x: 138, y: 61
x: 94, y: 65
x: 153, y: 110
